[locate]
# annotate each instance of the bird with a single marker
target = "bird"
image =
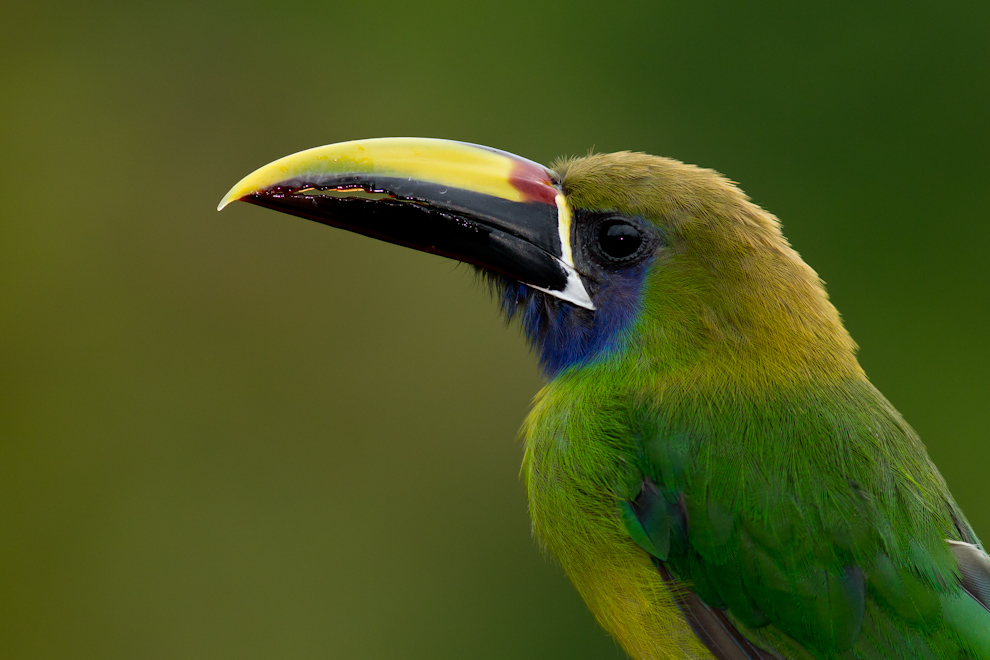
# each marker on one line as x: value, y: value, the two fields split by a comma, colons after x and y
x: 707, y: 460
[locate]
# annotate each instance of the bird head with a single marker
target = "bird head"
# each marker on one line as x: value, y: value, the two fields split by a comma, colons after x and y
x: 620, y: 260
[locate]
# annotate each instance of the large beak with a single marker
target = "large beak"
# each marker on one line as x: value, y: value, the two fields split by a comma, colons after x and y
x: 467, y: 202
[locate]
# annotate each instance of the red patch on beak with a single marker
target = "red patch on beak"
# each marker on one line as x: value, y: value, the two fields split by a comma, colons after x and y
x: 534, y: 182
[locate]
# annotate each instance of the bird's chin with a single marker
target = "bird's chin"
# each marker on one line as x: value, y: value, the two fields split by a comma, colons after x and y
x: 557, y: 330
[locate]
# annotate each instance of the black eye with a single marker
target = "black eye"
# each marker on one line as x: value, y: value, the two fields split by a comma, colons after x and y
x: 618, y: 239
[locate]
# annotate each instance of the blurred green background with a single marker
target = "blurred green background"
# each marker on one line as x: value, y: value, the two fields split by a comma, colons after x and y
x: 243, y: 435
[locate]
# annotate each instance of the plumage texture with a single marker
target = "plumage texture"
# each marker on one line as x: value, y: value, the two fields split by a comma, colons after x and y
x: 709, y: 453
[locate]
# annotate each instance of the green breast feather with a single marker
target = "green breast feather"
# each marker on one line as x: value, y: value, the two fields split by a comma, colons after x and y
x: 791, y: 520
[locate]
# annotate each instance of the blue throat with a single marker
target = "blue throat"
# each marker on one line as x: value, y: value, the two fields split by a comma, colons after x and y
x: 564, y: 335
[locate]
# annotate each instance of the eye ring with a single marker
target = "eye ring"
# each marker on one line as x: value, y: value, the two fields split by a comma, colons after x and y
x: 618, y: 240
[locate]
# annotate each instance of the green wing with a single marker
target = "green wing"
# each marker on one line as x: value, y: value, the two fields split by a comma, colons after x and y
x: 821, y: 534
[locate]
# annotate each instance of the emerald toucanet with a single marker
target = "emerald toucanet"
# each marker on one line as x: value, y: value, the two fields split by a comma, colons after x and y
x: 708, y: 461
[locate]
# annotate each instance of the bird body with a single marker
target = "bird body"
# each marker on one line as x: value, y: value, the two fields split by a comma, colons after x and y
x: 775, y: 508
x: 708, y: 462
